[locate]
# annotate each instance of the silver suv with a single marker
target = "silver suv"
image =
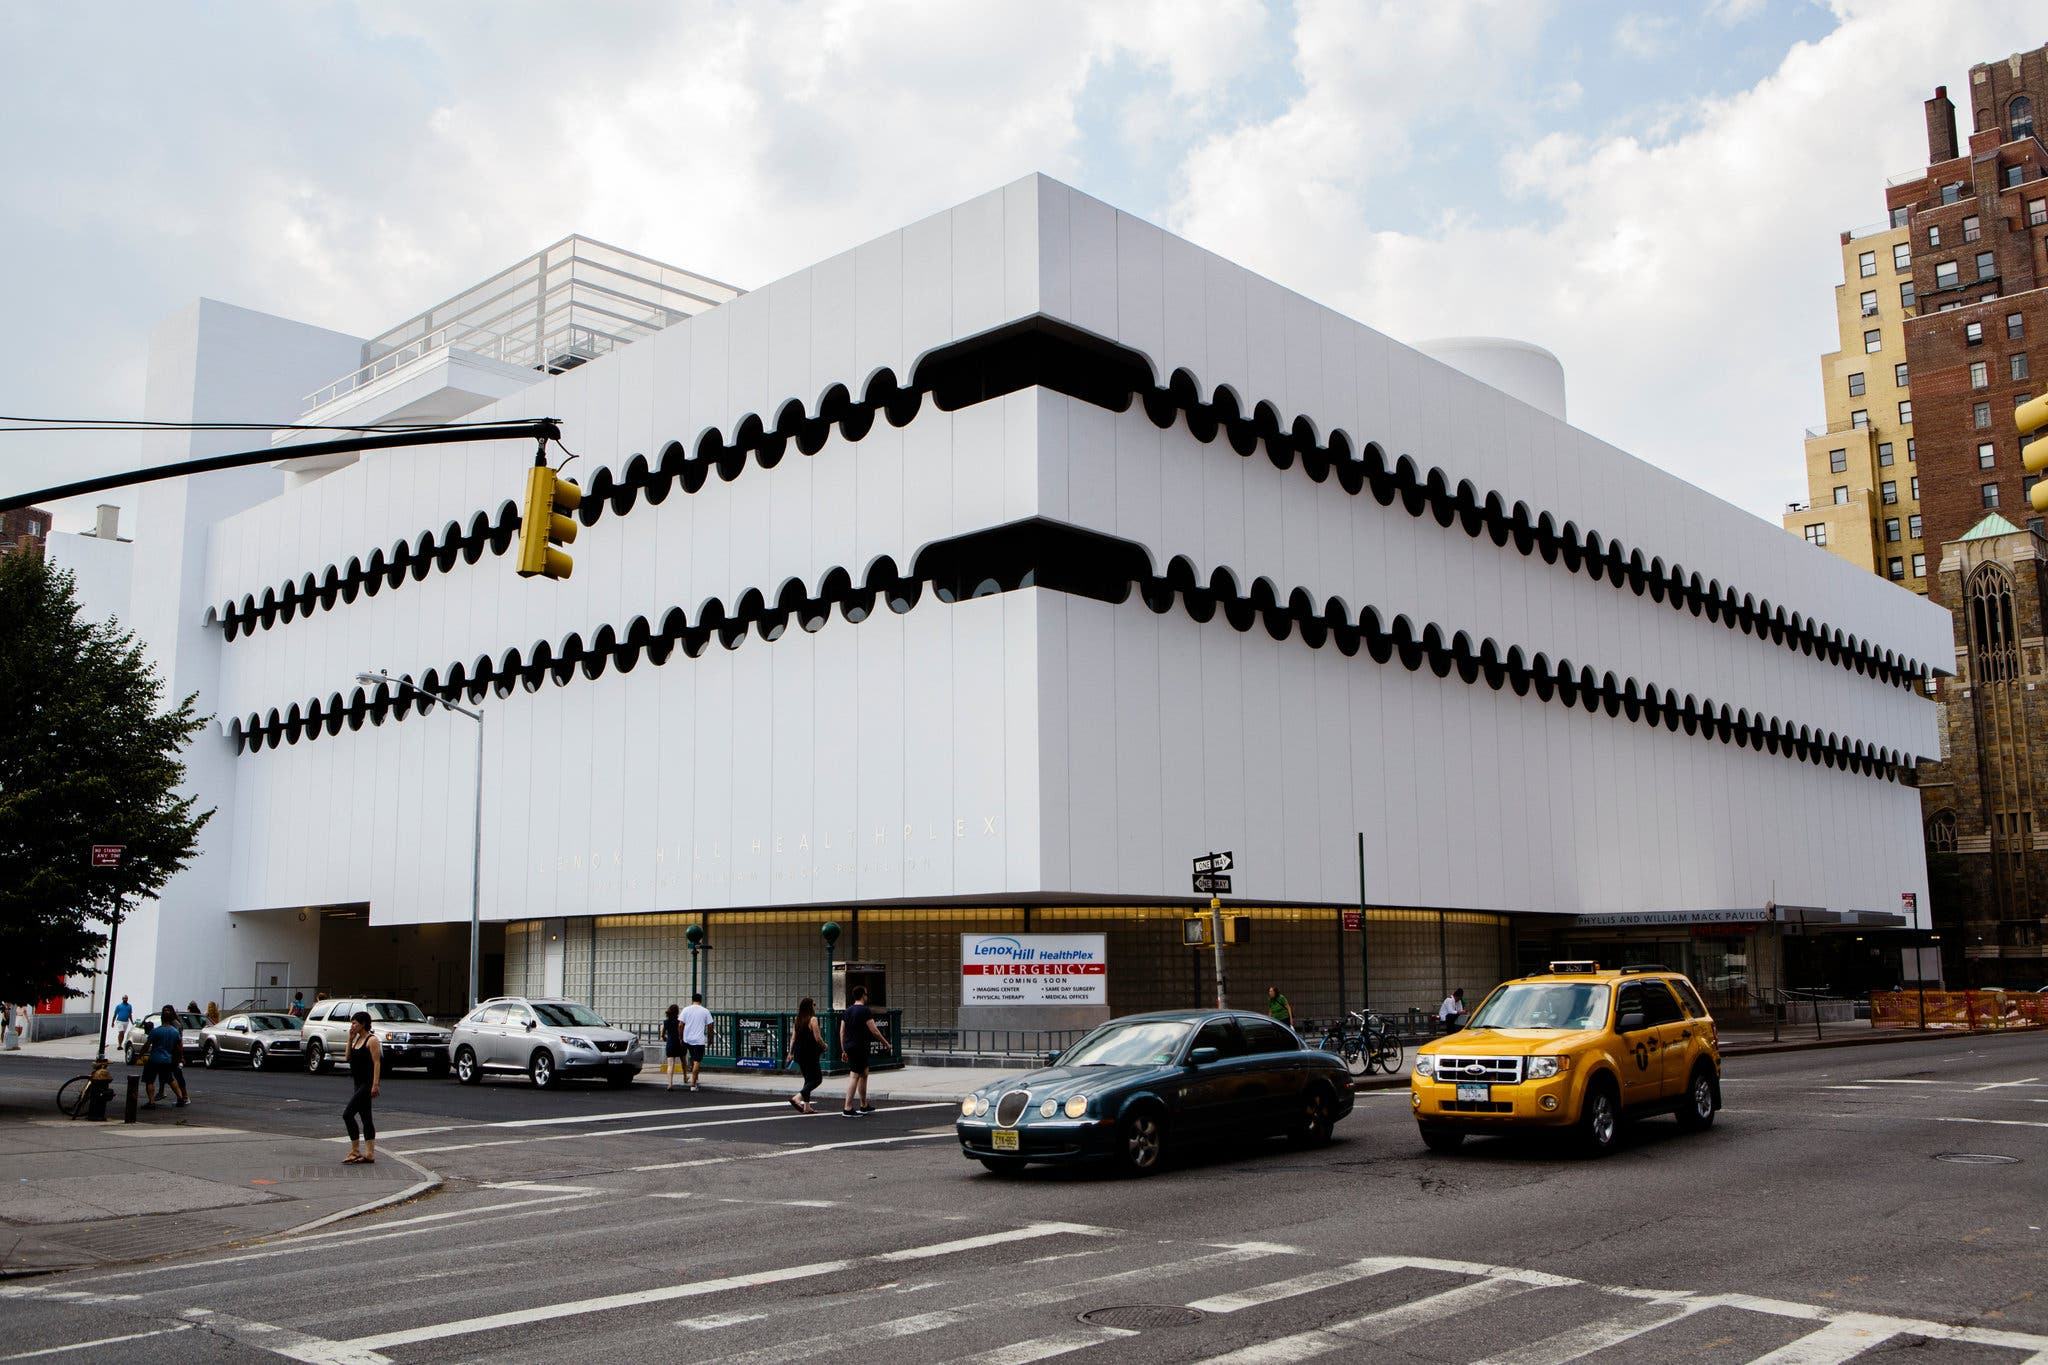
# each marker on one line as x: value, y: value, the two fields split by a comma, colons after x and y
x: 544, y: 1039
x: 404, y: 1033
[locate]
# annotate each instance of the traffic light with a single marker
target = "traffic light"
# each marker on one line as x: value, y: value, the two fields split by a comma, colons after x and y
x: 545, y: 522
x: 2030, y: 417
x: 1194, y: 931
x: 1237, y: 929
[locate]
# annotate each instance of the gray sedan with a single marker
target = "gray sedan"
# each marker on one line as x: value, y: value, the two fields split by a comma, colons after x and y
x: 255, y: 1039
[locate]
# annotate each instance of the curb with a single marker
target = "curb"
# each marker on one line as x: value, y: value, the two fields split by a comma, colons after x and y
x: 1862, y: 1040
x: 427, y: 1183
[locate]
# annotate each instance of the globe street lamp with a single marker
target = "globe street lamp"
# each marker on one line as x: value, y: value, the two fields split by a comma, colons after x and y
x: 476, y: 849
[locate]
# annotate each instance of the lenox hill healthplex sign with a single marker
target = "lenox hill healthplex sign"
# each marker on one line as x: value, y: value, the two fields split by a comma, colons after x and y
x: 1034, y: 969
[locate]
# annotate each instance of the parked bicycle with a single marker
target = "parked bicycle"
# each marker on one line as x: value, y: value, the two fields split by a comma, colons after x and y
x: 1365, y: 1042
x: 75, y: 1096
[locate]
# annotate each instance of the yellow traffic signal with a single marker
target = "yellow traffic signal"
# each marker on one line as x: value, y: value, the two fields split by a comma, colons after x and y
x: 1237, y: 929
x: 545, y: 523
x: 2030, y: 417
x: 1194, y: 931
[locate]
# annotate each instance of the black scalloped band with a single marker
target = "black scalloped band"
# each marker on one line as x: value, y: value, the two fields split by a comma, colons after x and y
x: 1062, y: 558
x: 1044, y: 352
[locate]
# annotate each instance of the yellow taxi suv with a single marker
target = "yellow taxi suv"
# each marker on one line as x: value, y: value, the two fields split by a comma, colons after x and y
x: 1575, y: 1050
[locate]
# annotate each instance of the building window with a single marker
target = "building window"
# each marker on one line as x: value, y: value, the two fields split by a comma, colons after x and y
x: 1941, y: 832
x: 1856, y: 385
x: 1919, y: 566
x: 1816, y: 533
x: 1971, y: 230
x: 1980, y: 375
x: 2019, y: 118
x: 1987, y: 455
x: 1912, y: 452
x: 1888, y: 491
x: 1906, y: 416
x: 1906, y: 295
x: 2018, y: 364
x: 1884, y: 453
x: 2014, y: 175
x: 1841, y: 495
x: 2015, y: 326
x: 1869, y: 303
x: 1895, y: 568
x: 2027, y: 482
x: 1952, y: 193
x: 1872, y: 341
x: 2037, y: 213
x: 2019, y: 399
x: 1987, y: 494
x: 1987, y: 268
x: 1994, y: 644
x: 1934, y: 234
x: 1860, y: 419
x: 1973, y: 334
x: 1946, y: 275
x: 1866, y: 264
x: 1899, y: 375
x: 1902, y: 215
x: 1913, y: 526
x: 1981, y: 414
x: 1891, y: 528
x: 1838, y: 461
x: 1902, y: 256
x: 1916, y: 488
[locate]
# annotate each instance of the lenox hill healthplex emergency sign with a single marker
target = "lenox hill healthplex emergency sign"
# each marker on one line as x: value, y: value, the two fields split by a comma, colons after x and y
x: 1034, y: 969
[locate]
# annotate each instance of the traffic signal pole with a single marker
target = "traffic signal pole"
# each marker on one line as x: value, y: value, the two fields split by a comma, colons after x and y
x: 1216, y: 941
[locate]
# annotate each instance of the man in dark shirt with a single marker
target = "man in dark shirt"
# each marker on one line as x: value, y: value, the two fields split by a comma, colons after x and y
x: 166, y: 1042
x: 857, y: 1034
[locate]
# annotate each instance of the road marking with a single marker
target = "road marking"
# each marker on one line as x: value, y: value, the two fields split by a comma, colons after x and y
x: 282, y: 1341
x: 103, y: 1341
x: 1045, y: 1348
x: 522, y: 1317
x: 2003, y: 1123
x: 785, y: 1117
x: 2004, y: 1085
x: 1310, y: 1283
x: 561, y: 1120
x: 1376, y: 1326
x: 1845, y: 1337
x: 1600, y: 1334
x: 711, y: 1322
x: 788, y: 1151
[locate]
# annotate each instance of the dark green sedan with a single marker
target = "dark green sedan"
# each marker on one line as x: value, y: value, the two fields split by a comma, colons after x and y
x: 1140, y: 1086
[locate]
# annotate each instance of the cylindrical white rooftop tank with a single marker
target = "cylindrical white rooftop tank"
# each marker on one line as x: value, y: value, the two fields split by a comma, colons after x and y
x: 1527, y: 372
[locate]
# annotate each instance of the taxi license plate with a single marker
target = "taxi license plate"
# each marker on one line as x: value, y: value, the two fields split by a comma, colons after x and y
x: 1006, y: 1139
x: 1475, y: 1092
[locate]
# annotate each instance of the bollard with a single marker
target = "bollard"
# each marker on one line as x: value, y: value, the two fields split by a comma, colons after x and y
x: 134, y: 1096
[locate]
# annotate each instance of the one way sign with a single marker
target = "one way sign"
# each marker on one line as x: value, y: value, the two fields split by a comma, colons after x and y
x: 1213, y: 862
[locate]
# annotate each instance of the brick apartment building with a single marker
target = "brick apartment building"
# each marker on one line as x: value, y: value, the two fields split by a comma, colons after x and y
x: 25, y: 528
x: 1978, y: 344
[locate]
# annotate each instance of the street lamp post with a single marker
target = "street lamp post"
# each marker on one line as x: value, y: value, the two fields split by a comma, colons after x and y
x: 476, y: 847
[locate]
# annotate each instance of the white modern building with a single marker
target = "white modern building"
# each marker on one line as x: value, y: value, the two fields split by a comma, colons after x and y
x: 973, y: 581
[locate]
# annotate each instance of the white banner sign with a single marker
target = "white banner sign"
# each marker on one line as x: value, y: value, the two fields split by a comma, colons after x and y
x: 1034, y: 969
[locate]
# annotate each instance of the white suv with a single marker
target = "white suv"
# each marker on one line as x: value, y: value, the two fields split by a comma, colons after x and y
x: 404, y: 1033
x: 545, y: 1040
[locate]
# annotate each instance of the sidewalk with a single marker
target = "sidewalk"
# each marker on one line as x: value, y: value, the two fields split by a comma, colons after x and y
x: 79, y: 1193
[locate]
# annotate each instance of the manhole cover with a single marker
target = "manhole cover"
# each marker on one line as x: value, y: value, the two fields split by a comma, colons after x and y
x: 1141, y: 1317
x: 1976, y: 1158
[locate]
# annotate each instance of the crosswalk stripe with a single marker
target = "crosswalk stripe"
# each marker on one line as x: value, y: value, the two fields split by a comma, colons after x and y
x: 1311, y: 1283
x: 786, y: 1116
x: 1373, y: 1326
x: 1847, y: 1336
x: 521, y: 1317
x: 1600, y: 1334
x: 1045, y: 1348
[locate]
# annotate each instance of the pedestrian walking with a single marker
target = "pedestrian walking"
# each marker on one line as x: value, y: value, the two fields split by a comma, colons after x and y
x: 299, y: 1005
x: 857, y: 1036
x: 124, y: 1015
x: 1452, y: 1010
x: 672, y: 1053
x: 1277, y: 1006
x: 159, y: 1069
x: 212, y: 1012
x: 22, y: 1014
x: 807, y: 1051
x: 8, y: 1040
x: 365, y: 1070
x: 697, y: 1027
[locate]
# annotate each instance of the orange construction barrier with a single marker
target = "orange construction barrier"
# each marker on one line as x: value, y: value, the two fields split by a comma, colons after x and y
x: 1974, y: 1011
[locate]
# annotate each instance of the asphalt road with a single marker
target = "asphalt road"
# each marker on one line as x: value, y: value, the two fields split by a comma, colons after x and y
x: 1815, y: 1222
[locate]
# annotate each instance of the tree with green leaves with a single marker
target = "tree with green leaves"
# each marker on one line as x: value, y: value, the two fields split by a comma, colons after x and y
x: 86, y: 757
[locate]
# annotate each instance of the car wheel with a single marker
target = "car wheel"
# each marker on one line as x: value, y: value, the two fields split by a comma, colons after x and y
x: 1600, y: 1122
x: 1318, y: 1119
x: 1445, y: 1140
x: 1002, y: 1165
x: 258, y: 1058
x: 316, y: 1058
x: 1141, y: 1142
x: 1696, y: 1112
x: 209, y: 1056
x: 466, y: 1069
x: 129, y: 1053
x: 541, y: 1069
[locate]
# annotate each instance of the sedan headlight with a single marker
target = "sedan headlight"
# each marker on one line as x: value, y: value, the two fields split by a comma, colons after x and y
x: 967, y: 1107
x: 1077, y: 1106
x: 1425, y: 1065
x: 980, y: 1105
x: 572, y: 1040
x: 1048, y: 1109
x: 1543, y: 1068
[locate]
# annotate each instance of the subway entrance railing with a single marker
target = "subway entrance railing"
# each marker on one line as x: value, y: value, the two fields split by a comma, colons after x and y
x: 758, y: 1040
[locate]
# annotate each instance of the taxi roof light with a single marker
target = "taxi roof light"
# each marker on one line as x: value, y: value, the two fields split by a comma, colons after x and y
x: 1575, y: 965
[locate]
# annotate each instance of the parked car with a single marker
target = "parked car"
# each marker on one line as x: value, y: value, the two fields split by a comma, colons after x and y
x: 259, y: 1040
x: 406, y: 1036
x: 545, y: 1040
x: 1576, y: 1049
x: 1138, y: 1086
x: 135, y: 1046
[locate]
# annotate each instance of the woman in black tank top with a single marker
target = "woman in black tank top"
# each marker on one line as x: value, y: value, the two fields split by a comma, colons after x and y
x: 806, y: 1049
x: 365, y: 1068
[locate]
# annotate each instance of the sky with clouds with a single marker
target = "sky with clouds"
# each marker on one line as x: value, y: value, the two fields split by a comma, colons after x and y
x: 1652, y: 191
